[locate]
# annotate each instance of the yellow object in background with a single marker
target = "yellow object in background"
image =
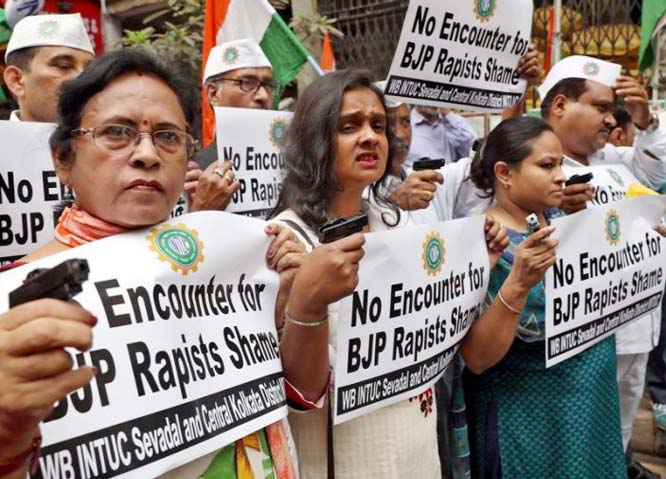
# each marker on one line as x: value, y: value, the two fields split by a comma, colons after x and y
x: 639, y: 190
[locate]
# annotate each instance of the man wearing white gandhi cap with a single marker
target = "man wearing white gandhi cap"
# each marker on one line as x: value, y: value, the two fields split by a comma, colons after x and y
x: 43, y: 52
x: 578, y: 99
x: 237, y: 74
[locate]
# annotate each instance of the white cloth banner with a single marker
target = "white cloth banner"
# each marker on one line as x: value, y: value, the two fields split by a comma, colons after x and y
x: 29, y: 189
x: 186, y: 348
x: 251, y: 139
x: 609, y: 271
x: 610, y: 182
x: 419, y: 291
x: 461, y: 54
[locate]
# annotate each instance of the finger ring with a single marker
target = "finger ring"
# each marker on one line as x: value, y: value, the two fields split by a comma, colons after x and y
x: 219, y: 172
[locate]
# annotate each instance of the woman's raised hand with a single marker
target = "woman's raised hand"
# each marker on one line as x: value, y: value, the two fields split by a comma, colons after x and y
x: 533, y: 257
x: 328, y: 274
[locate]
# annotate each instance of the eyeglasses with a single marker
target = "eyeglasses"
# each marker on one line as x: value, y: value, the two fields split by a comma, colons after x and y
x: 122, y: 140
x: 251, y: 85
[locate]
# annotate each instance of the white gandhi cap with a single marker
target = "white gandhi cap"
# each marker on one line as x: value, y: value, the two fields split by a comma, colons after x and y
x: 65, y: 30
x: 580, y: 66
x: 234, y: 55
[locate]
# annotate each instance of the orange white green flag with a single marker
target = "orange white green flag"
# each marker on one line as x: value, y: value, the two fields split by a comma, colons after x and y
x: 228, y: 20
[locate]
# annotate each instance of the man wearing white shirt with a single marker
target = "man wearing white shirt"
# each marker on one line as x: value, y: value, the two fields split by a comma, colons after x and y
x: 579, y: 97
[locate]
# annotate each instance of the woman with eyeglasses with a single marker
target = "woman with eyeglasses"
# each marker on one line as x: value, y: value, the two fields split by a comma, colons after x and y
x: 121, y: 146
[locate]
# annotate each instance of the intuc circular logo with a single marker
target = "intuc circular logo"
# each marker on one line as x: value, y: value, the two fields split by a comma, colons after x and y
x: 616, y: 177
x: 613, y: 231
x: 230, y: 55
x: 177, y: 245
x: 433, y: 253
x: 47, y: 29
x: 277, y: 131
x: 591, y: 69
x: 484, y: 9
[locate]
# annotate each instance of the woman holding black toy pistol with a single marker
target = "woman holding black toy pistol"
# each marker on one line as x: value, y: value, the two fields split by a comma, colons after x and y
x: 122, y: 145
x: 338, y: 145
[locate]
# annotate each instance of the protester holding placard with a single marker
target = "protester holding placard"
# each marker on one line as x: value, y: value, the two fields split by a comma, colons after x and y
x: 42, y: 53
x: 237, y: 74
x: 578, y: 99
x: 525, y: 420
x: 121, y: 183
x: 337, y: 146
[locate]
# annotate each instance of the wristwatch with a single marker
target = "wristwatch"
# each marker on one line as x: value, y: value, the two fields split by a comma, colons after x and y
x: 652, y: 126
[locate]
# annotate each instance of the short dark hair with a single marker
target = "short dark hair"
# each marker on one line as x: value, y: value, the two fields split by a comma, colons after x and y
x: 96, y: 77
x: 508, y: 142
x: 309, y: 147
x: 570, y: 87
x: 22, y: 58
x: 622, y: 117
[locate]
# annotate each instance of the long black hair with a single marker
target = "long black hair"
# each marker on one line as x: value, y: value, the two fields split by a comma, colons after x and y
x: 309, y: 148
x: 508, y: 142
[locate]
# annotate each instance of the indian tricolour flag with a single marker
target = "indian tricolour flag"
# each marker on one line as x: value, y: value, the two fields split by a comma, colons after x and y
x: 228, y: 20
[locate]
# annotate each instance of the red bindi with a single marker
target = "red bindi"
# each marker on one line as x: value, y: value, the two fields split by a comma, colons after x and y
x: 144, y: 122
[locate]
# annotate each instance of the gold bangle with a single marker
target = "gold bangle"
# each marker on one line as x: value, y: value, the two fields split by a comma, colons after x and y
x: 308, y: 324
x: 508, y: 306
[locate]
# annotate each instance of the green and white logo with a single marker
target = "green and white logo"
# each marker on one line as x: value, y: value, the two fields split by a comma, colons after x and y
x: 616, y: 177
x: 177, y: 245
x: 484, y: 9
x: 47, y: 29
x: 277, y: 132
x: 230, y: 55
x: 591, y: 69
x: 433, y: 253
x: 613, y: 230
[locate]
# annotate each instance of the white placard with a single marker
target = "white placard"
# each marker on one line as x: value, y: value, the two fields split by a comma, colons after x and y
x: 419, y: 291
x: 461, y: 54
x: 186, y: 348
x: 609, y: 271
x: 251, y: 139
x: 29, y: 188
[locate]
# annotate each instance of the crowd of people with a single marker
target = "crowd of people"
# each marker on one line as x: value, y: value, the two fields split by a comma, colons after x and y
x: 124, y: 150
